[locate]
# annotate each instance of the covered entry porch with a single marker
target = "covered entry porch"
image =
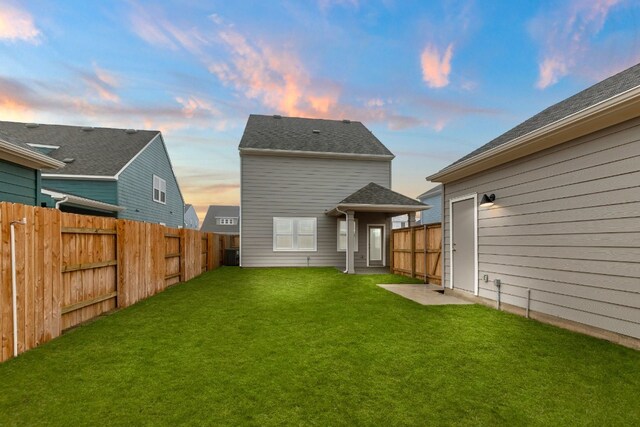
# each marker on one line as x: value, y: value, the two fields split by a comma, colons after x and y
x: 365, y: 227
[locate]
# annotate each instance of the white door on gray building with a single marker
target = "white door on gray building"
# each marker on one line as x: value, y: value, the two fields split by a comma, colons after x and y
x: 463, y: 241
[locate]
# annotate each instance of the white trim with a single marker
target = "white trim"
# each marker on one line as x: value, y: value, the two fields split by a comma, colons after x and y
x: 161, y: 183
x: 473, y: 196
x: 384, y: 237
x: 87, y: 177
x: 608, y: 106
x: 294, y: 233
x: 53, y: 147
x: 239, y: 218
x: 314, y: 154
x: 399, y: 209
x: 81, y: 201
x: 27, y: 157
x: 126, y: 165
x: 357, y: 244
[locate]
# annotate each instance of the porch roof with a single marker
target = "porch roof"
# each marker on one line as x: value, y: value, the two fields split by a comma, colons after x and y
x: 376, y: 198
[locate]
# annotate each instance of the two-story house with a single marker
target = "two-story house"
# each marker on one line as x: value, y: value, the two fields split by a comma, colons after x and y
x: 316, y: 193
x: 123, y: 173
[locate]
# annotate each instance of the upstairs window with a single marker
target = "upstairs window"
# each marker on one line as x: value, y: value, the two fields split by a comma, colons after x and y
x: 159, y: 190
x: 227, y: 221
x: 294, y: 234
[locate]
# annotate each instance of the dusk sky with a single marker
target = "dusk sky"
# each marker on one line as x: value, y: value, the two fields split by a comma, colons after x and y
x: 433, y: 80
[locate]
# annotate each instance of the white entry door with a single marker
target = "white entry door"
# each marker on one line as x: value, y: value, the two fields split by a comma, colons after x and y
x: 375, y: 248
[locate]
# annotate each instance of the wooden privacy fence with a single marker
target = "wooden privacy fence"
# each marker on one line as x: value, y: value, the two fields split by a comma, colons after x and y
x: 417, y: 252
x: 71, y: 268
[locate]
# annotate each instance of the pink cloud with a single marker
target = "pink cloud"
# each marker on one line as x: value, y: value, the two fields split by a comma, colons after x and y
x: 17, y: 25
x: 436, y: 66
x: 566, y: 37
x: 102, y: 82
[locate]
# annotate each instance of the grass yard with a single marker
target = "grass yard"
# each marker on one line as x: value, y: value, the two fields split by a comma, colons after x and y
x: 314, y: 346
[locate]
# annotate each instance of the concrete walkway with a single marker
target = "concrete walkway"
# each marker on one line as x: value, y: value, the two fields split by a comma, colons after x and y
x: 424, y: 294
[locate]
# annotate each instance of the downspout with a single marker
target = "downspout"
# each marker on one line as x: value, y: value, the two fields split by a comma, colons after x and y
x: 346, y: 252
x: 14, y: 299
x: 61, y: 201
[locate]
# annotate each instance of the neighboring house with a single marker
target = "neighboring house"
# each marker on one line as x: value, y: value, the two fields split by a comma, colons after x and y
x: 315, y: 193
x: 111, y: 172
x: 20, y: 177
x: 401, y: 221
x: 432, y: 198
x: 191, y: 217
x: 222, y: 219
x: 565, y: 220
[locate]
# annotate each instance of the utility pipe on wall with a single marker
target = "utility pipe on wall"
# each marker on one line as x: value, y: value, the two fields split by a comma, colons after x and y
x: 14, y: 298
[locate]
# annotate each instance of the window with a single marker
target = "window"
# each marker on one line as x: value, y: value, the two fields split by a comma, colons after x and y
x: 227, y: 221
x: 342, y: 235
x: 294, y: 234
x: 159, y: 190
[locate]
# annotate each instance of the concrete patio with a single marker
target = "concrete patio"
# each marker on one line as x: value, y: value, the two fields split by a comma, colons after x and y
x: 424, y: 294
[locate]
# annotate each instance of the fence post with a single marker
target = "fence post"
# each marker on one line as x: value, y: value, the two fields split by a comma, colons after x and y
x: 121, y: 267
x: 413, y: 251
x: 182, y: 243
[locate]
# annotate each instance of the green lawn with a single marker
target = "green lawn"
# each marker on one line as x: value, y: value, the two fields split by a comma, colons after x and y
x: 314, y: 346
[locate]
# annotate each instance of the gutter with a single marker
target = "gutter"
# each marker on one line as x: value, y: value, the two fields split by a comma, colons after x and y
x: 608, y: 112
x: 30, y: 157
x: 62, y: 198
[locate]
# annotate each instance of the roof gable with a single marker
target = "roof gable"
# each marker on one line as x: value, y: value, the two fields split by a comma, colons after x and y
x: 608, y: 88
x: 374, y: 194
x: 310, y: 135
x: 95, y: 151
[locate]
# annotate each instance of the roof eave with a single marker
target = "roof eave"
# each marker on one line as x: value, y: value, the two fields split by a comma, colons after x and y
x: 28, y: 158
x: 82, y: 201
x: 362, y: 207
x: 314, y: 154
x: 612, y: 111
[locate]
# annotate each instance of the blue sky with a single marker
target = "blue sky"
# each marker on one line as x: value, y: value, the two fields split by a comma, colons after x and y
x: 433, y: 80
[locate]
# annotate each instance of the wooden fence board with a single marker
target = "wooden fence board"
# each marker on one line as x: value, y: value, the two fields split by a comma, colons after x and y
x: 72, y: 268
x: 416, y: 252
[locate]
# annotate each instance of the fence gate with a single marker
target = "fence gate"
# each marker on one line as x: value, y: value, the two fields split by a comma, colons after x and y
x: 417, y: 252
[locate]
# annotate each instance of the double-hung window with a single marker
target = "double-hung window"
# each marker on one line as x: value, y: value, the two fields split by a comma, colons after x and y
x: 159, y: 190
x: 342, y: 235
x: 294, y: 234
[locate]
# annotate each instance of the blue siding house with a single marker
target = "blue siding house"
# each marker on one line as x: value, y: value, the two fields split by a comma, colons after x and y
x: 433, y: 198
x: 20, y: 177
x: 123, y: 173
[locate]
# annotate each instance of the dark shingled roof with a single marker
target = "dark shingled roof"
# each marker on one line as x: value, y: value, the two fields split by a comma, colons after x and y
x: 100, y: 151
x: 374, y: 194
x: 297, y: 134
x: 614, y: 85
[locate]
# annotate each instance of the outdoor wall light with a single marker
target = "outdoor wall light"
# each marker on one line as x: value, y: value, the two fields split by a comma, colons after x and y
x: 487, y: 201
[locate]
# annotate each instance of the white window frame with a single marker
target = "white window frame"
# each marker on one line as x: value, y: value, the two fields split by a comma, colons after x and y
x: 338, y: 235
x: 227, y: 221
x: 160, y: 185
x: 294, y: 234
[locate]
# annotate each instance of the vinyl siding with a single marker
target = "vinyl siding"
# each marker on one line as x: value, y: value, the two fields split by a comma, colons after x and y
x: 135, y: 188
x: 103, y: 191
x: 19, y: 184
x: 301, y: 187
x: 565, y: 224
x: 434, y: 214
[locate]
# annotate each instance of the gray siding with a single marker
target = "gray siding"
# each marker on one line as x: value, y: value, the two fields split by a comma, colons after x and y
x: 19, y: 184
x: 300, y: 187
x: 103, y: 191
x: 566, y: 224
x: 135, y: 188
x: 434, y: 214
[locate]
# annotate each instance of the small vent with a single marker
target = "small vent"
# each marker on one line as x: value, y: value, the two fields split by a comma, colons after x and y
x: 87, y: 128
x: 131, y: 131
x: 316, y: 131
x: 68, y: 160
x: 32, y: 125
x: 277, y: 116
x: 347, y: 121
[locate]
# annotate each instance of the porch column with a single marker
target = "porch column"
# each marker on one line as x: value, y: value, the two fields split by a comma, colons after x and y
x: 351, y: 242
x: 412, y: 219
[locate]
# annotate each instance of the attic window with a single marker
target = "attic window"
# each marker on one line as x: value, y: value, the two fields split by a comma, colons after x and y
x: 159, y: 190
x: 227, y: 221
x: 316, y: 131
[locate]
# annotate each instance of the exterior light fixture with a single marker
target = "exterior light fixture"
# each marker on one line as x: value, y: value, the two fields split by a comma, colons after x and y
x: 487, y: 201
